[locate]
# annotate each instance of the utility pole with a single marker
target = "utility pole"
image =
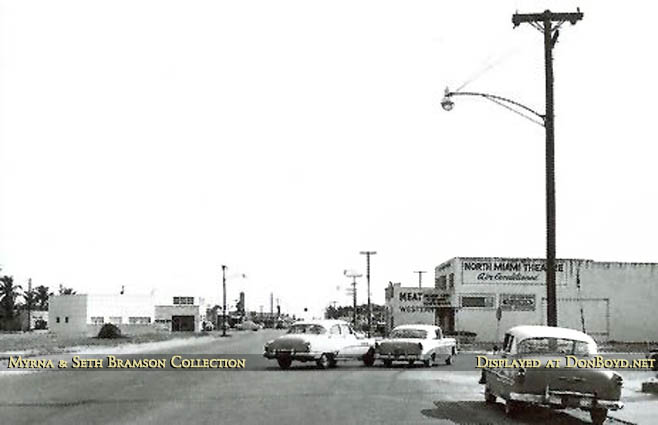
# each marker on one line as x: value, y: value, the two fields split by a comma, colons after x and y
x: 224, y: 300
x: 354, y: 276
x: 420, y: 277
x: 544, y: 22
x: 29, y: 304
x: 368, y: 254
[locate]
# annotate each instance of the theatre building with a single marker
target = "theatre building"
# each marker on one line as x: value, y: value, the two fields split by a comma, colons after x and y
x: 607, y: 300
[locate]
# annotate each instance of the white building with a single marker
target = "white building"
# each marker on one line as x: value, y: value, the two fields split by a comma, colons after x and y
x: 85, y: 314
x: 608, y: 300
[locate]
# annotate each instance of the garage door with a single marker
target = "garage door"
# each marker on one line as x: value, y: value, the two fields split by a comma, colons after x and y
x: 182, y: 323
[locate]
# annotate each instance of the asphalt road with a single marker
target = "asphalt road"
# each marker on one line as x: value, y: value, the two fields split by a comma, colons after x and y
x: 348, y: 394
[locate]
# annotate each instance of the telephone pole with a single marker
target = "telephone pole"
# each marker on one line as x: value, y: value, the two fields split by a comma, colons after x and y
x: 420, y: 277
x: 368, y: 254
x: 549, y: 24
x: 29, y: 304
x: 354, y: 276
x: 224, y: 300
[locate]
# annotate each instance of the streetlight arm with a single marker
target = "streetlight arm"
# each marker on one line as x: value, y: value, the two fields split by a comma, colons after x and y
x: 447, y: 103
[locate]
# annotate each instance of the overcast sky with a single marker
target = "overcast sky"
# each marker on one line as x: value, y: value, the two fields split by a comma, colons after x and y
x: 145, y: 143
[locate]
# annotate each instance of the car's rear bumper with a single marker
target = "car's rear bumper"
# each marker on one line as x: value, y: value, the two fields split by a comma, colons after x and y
x: 294, y: 355
x: 399, y: 357
x: 567, y: 399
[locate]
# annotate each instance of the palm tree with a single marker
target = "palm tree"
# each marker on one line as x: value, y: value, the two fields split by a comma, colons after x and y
x: 30, y: 297
x: 42, y: 295
x: 8, y: 294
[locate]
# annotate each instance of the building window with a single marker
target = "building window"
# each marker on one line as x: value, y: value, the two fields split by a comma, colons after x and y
x: 183, y: 300
x: 66, y: 319
x: 477, y: 301
x: 441, y: 283
x: 57, y: 319
x: 115, y: 320
x: 451, y: 281
x: 139, y: 320
x: 97, y: 320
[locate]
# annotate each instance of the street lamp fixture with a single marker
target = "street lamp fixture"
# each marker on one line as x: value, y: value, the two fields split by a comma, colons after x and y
x: 517, y: 107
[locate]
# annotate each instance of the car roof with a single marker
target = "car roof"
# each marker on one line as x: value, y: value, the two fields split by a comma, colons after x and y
x: 419, y: 326
x: 532, y: 331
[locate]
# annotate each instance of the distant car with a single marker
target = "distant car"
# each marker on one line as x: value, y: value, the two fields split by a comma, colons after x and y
x: 248, y: 325
x: 321, y: 341
x: 594, y: 390
x: 412, y: 343
x: 653, y: 354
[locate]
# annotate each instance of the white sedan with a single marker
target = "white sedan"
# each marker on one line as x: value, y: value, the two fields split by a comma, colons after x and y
x: 411, y: 343
x: 321, y: 341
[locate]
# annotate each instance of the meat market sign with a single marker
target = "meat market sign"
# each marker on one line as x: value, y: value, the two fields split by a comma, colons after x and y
x: 510, y: 271
x: 421, y: 300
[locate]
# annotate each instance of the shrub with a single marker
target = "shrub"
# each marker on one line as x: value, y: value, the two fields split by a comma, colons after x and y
x: 109, y: 331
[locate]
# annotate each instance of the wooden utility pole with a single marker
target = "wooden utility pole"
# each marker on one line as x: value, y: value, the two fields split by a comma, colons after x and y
x: 420, y: 277
x: 368, y: 254
x: 224, y: 300
x: 549, y: 24
x: 354, y: 276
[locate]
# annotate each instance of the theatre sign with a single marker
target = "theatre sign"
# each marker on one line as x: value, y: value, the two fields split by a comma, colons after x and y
x: 517, y: 271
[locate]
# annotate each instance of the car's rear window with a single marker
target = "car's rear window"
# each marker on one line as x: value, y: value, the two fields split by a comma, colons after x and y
x: 306, y: 329
x: 553, y: 346
x: 409, y: 333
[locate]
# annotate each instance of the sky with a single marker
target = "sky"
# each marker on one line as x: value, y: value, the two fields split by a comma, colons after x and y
x: 146, y: 143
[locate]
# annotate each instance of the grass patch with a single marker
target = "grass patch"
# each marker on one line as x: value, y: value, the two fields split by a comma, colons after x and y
x: 47, y: 343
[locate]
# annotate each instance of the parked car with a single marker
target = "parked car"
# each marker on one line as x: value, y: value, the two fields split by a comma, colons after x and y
x: 248, y: 325
x: 591, y: 389
x: 322, y: 341
x: 653, y: 354
x: 412, y: 343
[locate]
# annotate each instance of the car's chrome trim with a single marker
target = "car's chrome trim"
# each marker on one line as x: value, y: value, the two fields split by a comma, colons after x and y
x: 555, y: 398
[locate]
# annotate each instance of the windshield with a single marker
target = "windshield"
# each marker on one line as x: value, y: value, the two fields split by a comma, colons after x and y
x: 554, y: 346
x: 307, y: 329
x: 409, y: 333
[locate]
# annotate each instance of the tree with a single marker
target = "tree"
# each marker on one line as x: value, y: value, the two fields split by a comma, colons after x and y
x: 8, y: 294
x: 30, y: 297
x: 65, y: 291
x: 42, y: 295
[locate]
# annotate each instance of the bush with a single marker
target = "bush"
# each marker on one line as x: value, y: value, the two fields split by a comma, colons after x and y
x: 109, y: 331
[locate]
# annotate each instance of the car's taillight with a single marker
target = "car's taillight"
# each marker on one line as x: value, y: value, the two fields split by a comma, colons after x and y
x: 307, y: 345
x: 520, y: 376
x: 420, y: 346
x: 617, y: 379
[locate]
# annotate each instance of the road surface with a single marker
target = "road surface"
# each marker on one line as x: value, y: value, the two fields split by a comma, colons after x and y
x: 348, y: 394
